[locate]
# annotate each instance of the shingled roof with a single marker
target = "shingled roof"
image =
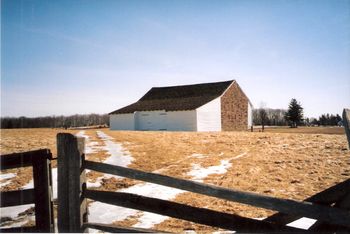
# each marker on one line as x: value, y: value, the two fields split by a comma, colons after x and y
x: 177, y: 98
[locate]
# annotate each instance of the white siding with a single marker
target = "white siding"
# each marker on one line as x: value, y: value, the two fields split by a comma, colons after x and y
x: 150, y: 120
x: 209, y: 116
x: 181, y: 121
x: 122, y: 122
x: 250, y: 115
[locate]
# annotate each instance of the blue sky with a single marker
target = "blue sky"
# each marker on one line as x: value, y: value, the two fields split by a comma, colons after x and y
x: 68, y: 57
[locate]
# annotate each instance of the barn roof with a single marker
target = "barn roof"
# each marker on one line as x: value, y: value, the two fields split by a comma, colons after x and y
x: 177, y: 98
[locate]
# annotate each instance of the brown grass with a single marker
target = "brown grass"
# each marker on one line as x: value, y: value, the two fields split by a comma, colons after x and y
x: 285, y: 165
x: 306, y: 130
x: 292, y: 165
x: 21, y: 140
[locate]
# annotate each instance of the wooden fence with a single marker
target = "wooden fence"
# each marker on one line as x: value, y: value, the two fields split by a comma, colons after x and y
x: 73, y: 193
x: 330, y: 207
x: 40, y: 195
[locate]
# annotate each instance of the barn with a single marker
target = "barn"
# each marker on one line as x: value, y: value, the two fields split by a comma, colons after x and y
x: 219, y: 106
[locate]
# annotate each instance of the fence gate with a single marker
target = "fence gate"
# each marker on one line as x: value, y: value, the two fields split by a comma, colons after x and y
x: 40, y: 195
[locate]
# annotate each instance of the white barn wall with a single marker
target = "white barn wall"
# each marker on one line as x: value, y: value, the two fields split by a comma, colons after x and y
x: 122, y: 122
x: 181, y: 120
x: 151, y: 120
x: 209, y: 116
x: 250, y: 115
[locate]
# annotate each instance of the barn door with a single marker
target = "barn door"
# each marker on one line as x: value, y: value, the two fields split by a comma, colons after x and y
x: 151, y: 120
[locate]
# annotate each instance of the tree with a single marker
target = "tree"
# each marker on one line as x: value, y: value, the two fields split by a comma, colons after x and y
x: 294, y: 114
x: 263, y: 117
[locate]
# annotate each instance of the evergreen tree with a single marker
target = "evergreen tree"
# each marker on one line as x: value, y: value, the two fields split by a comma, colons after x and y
x: 294, y: 114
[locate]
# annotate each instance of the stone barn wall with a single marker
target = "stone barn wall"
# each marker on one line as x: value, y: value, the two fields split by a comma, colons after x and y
x: 234, y: 109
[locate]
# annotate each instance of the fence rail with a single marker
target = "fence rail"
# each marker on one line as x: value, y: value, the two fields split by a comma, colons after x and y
x: 323, y: 212
x: 41, y: 195
x: 304, y: 209
x: 185, y: 212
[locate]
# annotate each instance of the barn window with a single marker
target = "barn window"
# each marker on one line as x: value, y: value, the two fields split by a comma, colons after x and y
x: 162, y: 114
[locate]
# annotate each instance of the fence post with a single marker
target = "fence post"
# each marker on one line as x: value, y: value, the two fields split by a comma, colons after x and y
x: 44, y: 218
x: 72, y: 207
x: 346, y: 121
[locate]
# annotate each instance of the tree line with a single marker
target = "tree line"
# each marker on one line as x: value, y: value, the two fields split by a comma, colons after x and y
x: 325, y: 120
x: 269, y: 117
x: 293, y: 117
x: 55, y: 121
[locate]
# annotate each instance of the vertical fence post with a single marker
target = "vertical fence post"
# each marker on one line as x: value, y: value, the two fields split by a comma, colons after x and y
x: 72, y: 208
x: 346, y: 121
x: 44, y: 218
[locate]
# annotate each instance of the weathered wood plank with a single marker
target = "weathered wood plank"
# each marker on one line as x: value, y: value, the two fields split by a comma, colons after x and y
x: 24, y: 159
x: 44, y: 219
x: 72, y: 208
x: 343, y: 203
x: 118, y: 229
x: 62, y: 184
x: 304, y: 209
x: 15, y: 198
x: 184, y: 212
x: 326, y: 197
x: 31, y: 229
x: 346, y: 121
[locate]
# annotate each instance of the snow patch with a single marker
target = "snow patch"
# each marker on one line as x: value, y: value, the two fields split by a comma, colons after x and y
x: 89, y: 146
x: 29, y: 185
x: 7, y: 176
x: 198, y: 172
x: 13, y: 211
x: 119, y: 156
x: 5, y: 183
x: 15, y: 224
x: 303, y: 223
x: 82, y: 134
x: 105, y: 213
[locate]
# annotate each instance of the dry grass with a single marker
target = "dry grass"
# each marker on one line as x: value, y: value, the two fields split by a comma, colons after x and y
x: 21, y: 140
x: 286, y: 165
x: 306, y: 130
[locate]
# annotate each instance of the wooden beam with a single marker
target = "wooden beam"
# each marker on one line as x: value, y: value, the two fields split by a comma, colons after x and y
x: 326, y: 197
x: 304, y: 209
x: 15, y: 198
x: 118, y: 229
x: 72, y: 209
x: 31, y: 229
x: 346, y: 121
x: 343, y: 203
x: 44, y: 217
x: 24, y: 159
x: 184, y: 212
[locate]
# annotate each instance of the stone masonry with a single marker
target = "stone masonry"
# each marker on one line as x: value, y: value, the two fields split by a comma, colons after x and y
x: 234, y: 109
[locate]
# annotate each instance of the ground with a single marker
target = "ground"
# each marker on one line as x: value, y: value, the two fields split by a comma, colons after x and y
x: 286, y: 163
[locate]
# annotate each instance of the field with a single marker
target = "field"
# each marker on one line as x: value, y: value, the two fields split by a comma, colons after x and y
x: 283, y: 162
